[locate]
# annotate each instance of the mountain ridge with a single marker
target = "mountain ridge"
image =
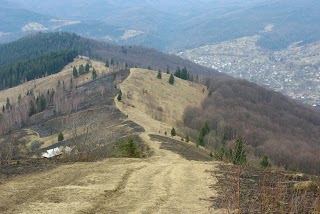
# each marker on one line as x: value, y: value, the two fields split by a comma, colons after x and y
x: 171, y: 26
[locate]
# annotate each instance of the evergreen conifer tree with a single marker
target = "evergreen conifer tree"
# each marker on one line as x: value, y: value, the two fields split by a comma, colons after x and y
x: 187, y: 139
x: 87, y: 68
x: 60, y: 136
x: 184, y: 74
x: 171, y: 79
x: 119, y: 97
x: 81, y: 69
x: 203, y: 132
x: 159, y: 75
x: 178, y: 72
x: 265, y: 162
x: 8, y: 105
x: 75, y: 72
x: 173, y: 132
x: 94, y: 74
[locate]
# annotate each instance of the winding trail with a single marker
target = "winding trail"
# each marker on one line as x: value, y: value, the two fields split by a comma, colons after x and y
x: 162, y: 183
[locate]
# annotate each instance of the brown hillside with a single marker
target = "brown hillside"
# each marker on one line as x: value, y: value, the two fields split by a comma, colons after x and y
x: 41, y: 85
x: 152, y: 99
x: 274, y: 125
x: 175, y: 179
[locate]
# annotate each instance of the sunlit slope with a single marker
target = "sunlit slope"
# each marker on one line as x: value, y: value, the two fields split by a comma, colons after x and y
x: 155, y: 100
x: 41, y: 85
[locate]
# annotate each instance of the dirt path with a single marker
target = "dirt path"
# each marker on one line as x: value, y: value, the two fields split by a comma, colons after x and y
x: 163, y: 183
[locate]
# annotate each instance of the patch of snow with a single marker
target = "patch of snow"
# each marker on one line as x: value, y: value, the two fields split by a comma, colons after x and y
x: 108, y: 38
x: 34, y: 26
x: 4, y: 33
x: 268, y: 28
x: 60, y: 23
x: 131, y: 33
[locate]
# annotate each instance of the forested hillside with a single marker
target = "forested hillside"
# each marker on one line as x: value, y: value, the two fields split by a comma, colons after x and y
x: 42, y: 43
x: 39, y: 44
x: 272, y: 124
x: 25, y: 70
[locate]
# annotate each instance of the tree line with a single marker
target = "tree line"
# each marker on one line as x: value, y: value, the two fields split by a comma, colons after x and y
x: 37, y: 45
x: 25, y: 70
x: 134, y: 56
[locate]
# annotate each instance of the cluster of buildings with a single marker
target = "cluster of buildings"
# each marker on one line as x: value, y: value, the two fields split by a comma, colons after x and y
x: 294, y: 71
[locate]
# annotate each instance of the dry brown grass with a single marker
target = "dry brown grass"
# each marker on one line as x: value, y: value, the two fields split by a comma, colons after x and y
x: 47, y: 141
x: 162, y: 183
x: 245, y: 189
x: 155, y: 102
x: 41, y: 85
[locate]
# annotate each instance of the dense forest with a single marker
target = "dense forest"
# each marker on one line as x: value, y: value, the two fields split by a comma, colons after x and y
x: 272, y: 124
x: 40, y: 44
x: 25, y: 70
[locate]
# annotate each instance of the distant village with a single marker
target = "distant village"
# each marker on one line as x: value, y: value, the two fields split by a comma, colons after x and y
x: 294, y: 71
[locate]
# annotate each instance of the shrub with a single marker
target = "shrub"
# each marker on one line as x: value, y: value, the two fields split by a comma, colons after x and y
x: 128, y: 148
x: 187, y: 139
x: 203, y: 132
x: 265, y: 162
x: 173, y: 132
x: 171, y: 79
x: 119, y: 97
x: 60, y: 136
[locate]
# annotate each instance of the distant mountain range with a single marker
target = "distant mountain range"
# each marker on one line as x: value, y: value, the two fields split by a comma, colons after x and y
x: 167, y: 25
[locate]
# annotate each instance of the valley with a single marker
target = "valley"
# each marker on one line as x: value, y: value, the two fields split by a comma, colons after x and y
x: 293, y: 71
x: 137, y: 136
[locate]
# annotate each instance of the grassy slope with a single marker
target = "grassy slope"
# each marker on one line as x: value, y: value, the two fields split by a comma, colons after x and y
x: 164, y: 182
x: 41, y: 85
x: 154, y: 94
